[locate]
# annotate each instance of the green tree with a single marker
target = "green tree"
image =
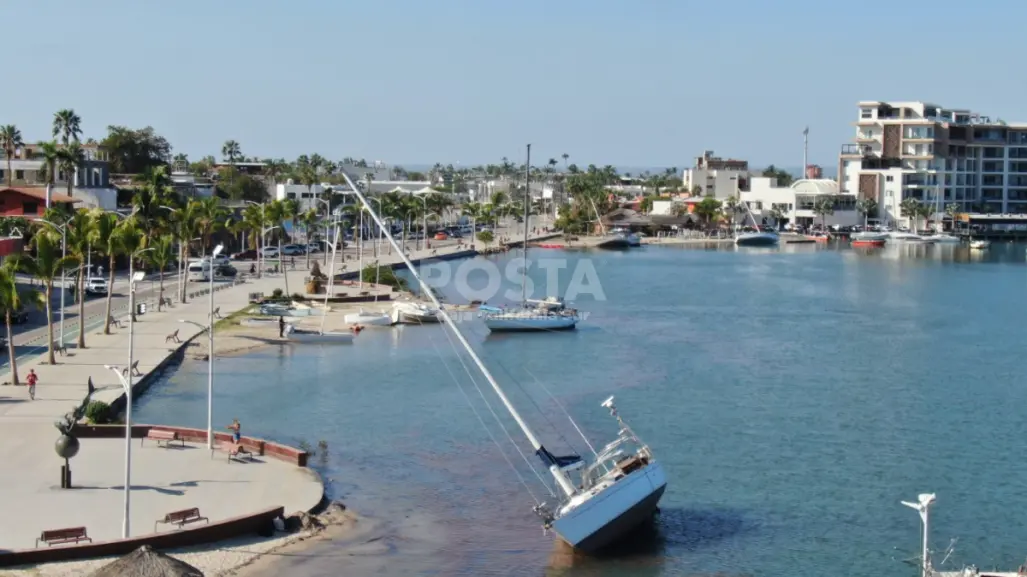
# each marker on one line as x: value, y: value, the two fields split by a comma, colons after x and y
x: 47, y: 265
x: 51, y: 155
x: 707, y: 209
x: 231, y: 152
x: 951, y: 210
x: 277, y: 212
x: 10, y: 141
x: 486, y: 237
x: 130, y: 238
x: 133, y: 151
x: 778, y: 215
x: 866, y: 207
x: 161, y: 257
x: 12, y: 301
x: 309, y: 220
x: 67, y: 125
x: 70, y: 158
x: 823, y: 207
x: 910, y: 208
x: 79, y: 237
x: 783, y: 178
x: 210, y: 218
x: 104, y: 241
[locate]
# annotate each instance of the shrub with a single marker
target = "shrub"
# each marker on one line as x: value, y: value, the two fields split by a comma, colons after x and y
x: 384, y: 275
x: 277, y: 293
x: 98, y: 413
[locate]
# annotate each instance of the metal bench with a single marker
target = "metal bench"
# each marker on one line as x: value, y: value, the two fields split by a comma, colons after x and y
x: 173, y: 338
x: 181, y: 518
x: 162, y: 436
x: 134, y: 369
x: 63, y: 536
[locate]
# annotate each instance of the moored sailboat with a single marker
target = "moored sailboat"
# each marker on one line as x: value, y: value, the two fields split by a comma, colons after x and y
x: 299, y: 335
x: 616, y: 491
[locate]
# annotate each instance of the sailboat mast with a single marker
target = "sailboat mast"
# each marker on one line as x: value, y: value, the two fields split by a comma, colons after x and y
x: 331, y: 278
x: 524, y: 247
x: 561, y: 477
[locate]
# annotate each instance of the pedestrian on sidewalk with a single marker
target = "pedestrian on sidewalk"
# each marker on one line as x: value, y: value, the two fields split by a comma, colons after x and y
x: 32, y: 378
x: 281, y: 327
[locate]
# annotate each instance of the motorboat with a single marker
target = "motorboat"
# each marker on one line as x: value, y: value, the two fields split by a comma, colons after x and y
x: 980, y: 244
x: 298, y: 335
x: 415, y: 313
x: 527, y: 319
x: 616, y: 491
x: 944, y: 238
x: 631, y: 238
x: 868, y: 239
x: 615, y: 242
x: 757, y: 239
x: 899, y: 235
x: 371, y: 318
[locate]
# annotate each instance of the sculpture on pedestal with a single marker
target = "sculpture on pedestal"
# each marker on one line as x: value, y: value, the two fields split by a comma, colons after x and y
x: 67, y: 444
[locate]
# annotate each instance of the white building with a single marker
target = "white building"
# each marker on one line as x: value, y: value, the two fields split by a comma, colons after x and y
x: 717, y: 177
x: 90, y: 182
x: 796, y: 202
x: 307, y: 196
x: 937, y: 155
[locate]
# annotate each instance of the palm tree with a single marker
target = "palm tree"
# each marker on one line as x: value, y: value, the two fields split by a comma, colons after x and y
x: 277, y: 212
x: 67, y: 125
x: 154, y: 192
x: 10, y: 141
x: 79, y: 236
x: 708, y: 208
x: 866, y: 206
x: 162, y: 255
x: 951, y: 210
x: 910, y: 208
x: 130, y: 238
x: 69, y: 159
x: 51, y: 154
x: 13, y: 300
x: 47, y: 265
x: 104, y: 241
x: 211, y: 217
x: 823, y: 208
x: 231, y: 152
x: 309, y: 219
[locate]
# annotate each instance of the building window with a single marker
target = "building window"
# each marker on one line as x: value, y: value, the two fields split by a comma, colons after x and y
x: 19, y: 175
x: 889, y: 178
x: 29, y: 207
x: 866, y: 112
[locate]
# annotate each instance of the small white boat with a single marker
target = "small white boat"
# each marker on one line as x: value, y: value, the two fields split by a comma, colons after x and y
x: 415, y: 313
x: 908, y: 237
x: 944, y: 238
x: 527, y: 320
x: 980, y: 244
x: 869, y: 236
x: 370, y: 318
x: 294, y: 334
x: 548, y: 303
x: 757, y: 239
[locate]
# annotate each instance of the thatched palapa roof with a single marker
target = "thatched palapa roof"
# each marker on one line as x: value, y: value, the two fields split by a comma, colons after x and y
x: 145, y: 562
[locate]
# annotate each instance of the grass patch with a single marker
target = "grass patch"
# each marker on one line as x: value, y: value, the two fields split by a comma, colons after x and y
x: 235, y: 318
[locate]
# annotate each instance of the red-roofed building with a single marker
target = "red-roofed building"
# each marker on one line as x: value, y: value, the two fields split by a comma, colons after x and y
x: 30, y: 201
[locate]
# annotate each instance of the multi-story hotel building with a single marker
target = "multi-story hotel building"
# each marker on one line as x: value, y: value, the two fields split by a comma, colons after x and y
x: 717, y: 177
x: 936, y: 155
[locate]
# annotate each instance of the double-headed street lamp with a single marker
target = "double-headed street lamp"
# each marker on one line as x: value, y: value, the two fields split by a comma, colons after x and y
x: 63, y: 229
x: 210, y: 353
x: 328, y: 213
x: 260, y: 249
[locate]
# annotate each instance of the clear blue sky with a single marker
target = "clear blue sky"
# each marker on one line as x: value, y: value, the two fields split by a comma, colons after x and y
x: 629, y: 83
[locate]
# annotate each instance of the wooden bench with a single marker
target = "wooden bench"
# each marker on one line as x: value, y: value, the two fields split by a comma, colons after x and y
x: 162, y: 436
x: 236, y: 450
x: 181, y: 518
x: 63, y: 536
x: 173, y: 338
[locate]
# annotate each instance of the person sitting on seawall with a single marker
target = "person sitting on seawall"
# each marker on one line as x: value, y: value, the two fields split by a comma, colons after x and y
x: 236, y: 429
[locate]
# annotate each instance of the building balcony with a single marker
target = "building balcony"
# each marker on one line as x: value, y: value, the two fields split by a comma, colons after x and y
x: 856, y: 150
x: 876, y: 163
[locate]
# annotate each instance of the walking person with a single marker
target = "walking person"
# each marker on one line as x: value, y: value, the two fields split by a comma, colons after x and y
x: 32, y: 378
x: 281, y: 327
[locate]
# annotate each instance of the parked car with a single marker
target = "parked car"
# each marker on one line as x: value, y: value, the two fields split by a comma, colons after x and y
x: 226, y: 270
x: 293, y: 250
x: 269, y: 252
x: 20, y: 316
x: 245, y: 255
x: 314, y: 247
x: 441, y: 236
x: 219, y: 260
x: 97, y: 286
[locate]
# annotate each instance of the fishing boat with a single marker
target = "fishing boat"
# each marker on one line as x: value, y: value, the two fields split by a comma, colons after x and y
x: 546, y: 315
x: 980, y: 244
x: 415, y: 313
x: 298, y: 335
x: 613, y: 492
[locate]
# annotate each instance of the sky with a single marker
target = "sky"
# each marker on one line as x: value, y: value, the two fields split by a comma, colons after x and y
x: 627, y: 83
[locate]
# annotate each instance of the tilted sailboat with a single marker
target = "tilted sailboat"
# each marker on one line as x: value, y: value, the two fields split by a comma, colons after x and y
x: 527, y: 317
x: 614, y: 492
x: 298, y: 335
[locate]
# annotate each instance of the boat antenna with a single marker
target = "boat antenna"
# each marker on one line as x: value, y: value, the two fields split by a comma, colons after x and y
x: 524, y: 247
x: 561, y: 477
x: 923, y: 507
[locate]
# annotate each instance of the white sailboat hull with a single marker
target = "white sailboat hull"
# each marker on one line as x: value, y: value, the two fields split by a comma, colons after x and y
x: 335, y: 338
x: 369, y: 319
x: 538, y: 322
x: 415, y: 313
x: 756, y: 239
x: 944, y: 238
x: 616, y: 510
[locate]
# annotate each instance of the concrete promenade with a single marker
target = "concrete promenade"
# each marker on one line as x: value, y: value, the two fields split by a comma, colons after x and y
x: 163, y: 480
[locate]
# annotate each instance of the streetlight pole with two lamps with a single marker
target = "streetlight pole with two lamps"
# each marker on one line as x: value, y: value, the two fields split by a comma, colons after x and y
x: 63, y: 229
x: 260, y: 248
x: 210, y: 356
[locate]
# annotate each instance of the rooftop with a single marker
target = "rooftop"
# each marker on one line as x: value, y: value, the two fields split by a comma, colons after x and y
x: 815, y: 186
x: 40, y: 193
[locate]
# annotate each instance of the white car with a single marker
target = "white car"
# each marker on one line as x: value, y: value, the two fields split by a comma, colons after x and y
x: 219, y: 260
x: 96, y: 286
x: 314, y: 247
x: 269, y: 252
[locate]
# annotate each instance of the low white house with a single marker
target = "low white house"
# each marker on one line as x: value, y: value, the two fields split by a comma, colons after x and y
x: 796, y: 202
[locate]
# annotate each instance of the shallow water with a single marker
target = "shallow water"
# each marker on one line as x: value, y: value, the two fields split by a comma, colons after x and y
x: 794, y: 396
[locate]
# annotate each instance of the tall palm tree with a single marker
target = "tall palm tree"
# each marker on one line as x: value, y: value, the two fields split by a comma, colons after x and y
x: 309, y: 219
x: 231, y: 152
x: 104, y: 241
x: 10, y: 141
x: 154, y: 191
x: 162, y: 255
x: 130, y: 238
x: 51, y: 154
x: 47, y: 265
x: 211, y: 217
x: 183, y: 225
x: 12, y: 301
x: 277, y: 212
x: 79, y: 237
x: 67, y: 125
x: 70, y: 158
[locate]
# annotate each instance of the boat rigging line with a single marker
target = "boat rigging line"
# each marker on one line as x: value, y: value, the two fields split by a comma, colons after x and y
x: 562, y: 408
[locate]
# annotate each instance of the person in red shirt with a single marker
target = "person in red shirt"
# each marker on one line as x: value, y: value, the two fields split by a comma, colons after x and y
x: 32, y: 378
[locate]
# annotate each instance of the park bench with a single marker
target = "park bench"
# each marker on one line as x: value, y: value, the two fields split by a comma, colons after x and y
x: 236, y: 450
x: 162, y: 436
x: 173, y: 338
x: 114, y: 322
x: 181, y: 518
x: 217, y: 313
x: 134, y: 369
x: 63, y: 536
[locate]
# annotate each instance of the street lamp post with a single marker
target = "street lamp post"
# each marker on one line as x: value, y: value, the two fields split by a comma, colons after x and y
x: 260, y: 248
x: 328, y: 212
x: 63, y: 228
x: 424, y: 218
x: 380, y: 229
x: 127, y: 386
x: 210, y: 352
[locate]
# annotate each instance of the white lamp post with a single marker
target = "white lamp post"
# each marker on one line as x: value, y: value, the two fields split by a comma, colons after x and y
x: 210, y: 356
x: 63, y: 228
x: 126, y: 385
x: 260, y: 249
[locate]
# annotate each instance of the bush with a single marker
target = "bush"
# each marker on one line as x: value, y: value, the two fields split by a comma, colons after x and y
x: 277, y: 293
x: 98, y: 413
x: 384, y: 275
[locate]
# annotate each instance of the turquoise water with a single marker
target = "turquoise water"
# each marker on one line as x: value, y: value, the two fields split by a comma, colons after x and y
x: 794, y: 396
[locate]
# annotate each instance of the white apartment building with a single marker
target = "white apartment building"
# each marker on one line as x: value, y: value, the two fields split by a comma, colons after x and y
x: 717, y: 177
x: 306, y: 195
x: 936, y: 155
x: 796, y: 201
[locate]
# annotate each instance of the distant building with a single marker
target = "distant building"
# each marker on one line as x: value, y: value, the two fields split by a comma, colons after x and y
x: 30, y: 202
x: 189, y: 185
x: 936, y: 155
x: 796, y: 202
x: 814, y: 172
x: 90, y: 181
x: 717, y: 177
